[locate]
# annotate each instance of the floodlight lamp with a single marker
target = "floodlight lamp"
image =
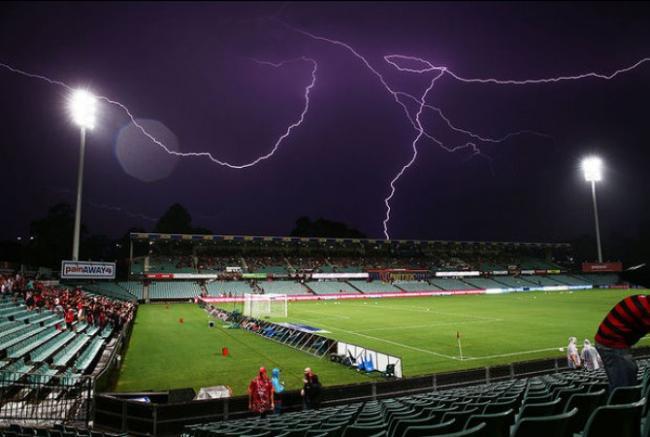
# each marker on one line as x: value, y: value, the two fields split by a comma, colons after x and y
x: 592, y: 167
x: 83, y: 109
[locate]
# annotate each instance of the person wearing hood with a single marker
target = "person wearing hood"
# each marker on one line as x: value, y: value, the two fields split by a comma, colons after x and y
x: 278, y: 390
x: 590, y: 357
x: 573, y: 358
x: 260, y: 394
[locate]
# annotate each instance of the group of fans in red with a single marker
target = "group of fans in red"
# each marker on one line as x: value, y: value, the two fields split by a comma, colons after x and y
x: 73, y: 304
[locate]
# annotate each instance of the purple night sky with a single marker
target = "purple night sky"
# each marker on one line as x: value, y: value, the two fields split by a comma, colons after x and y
x: 186, y: 69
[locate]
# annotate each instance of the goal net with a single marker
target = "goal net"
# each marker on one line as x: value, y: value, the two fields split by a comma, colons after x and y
x: 265, y: 305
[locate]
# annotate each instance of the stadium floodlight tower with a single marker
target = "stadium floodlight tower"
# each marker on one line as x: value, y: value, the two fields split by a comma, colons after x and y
x: 82, y: 106
x: 592, y: 167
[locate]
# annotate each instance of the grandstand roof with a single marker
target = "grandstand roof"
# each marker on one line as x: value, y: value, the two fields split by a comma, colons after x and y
x: 197, y: 237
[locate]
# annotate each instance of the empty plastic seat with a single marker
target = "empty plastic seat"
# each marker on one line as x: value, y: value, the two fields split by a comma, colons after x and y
x: 586, y: 403
x: 545, y: 426
x: 622, y: 420
x: 427, y: 430
x: 625, y: 395
x: 496, y: 425
x: 476, y: 430
x: 363, y: 430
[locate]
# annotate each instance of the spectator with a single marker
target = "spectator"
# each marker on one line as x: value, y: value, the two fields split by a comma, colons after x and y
x: 260, y: 394
x: 314, y: 392
x: 573, y: 358
x: 590, y: 358
x: 622, y: 328
x: 69, y: 319
x: 311, y: 390
x: 278, y: 390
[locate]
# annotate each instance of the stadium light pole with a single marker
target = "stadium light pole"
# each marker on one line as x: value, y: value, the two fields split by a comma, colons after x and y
x: 82, y: 107
x: 592, y: 167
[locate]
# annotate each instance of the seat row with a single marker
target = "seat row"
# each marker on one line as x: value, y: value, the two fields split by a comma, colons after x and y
x: 563, y: 405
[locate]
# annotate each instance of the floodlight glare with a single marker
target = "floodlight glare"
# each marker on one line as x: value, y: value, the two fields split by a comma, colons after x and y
x: 592, y: 168
x: 82, y: 107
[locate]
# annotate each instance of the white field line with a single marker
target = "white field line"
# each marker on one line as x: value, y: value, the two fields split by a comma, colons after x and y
x: 431, y: 325
x: 414, y: 309
x: 511, y: 354
x: 383, y: 340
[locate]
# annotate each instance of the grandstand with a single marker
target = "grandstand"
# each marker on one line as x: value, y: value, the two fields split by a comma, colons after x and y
x: 513, y: 281
x: 283, y: 287
x: 225, y: 288
x: 415, y: 286
x: 374, y: 287
x: 42, y: 365
x: 174, y: 290
x: 451, y: 284
x: 331, y: 287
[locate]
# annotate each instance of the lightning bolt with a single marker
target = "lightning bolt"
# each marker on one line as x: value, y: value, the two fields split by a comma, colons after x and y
x: 428, y: 67
x: 103, y: 205
x: 123, y: 211
x: 208, y: 155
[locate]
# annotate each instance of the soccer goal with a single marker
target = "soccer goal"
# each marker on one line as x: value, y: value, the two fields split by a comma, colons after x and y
x: 265, y: 305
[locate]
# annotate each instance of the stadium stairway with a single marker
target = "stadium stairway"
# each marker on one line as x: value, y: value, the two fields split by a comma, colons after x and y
x: 353, y: 287
x: 572, y: 403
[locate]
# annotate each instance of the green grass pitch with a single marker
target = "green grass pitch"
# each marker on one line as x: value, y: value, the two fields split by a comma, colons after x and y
x: 495, y: 329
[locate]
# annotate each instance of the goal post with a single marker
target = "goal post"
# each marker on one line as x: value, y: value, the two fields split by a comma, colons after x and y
x: 265, y: 305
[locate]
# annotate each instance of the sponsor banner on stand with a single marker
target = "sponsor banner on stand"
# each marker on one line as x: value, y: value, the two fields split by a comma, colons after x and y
x: 602, y: 267
x: 457, y: 274
x: 87, y: 270
x: 339, y: 275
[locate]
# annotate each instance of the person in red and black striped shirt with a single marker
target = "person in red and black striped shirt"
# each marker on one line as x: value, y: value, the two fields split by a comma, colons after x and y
x: 622, y: 328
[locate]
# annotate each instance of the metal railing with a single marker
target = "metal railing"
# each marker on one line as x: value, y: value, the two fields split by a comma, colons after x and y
x: 34, y: 399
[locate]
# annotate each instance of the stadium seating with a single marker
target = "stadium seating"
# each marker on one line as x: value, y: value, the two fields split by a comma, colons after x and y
x: 174, y: 290
x: 452, y: 284
x: 415, y: 286
x: 484, y: 283
x: 600, y: 279
x: 374, y: 287
x: 88, y: 355
x: 46, y: 350
x: 168, y: 264
x: 513, y: 281
x: 66, y: 354
x: 561, y: 404
x: 543, y: 281
x: 331, y: 287
x: 571, y: 280
x: 283, y: 287
x: 237, y: 288
x: 133, y: 287
x: 116, y: 290
x: 23, y: 347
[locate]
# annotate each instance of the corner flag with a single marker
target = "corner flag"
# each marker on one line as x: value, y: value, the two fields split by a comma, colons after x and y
x: 460, y: 348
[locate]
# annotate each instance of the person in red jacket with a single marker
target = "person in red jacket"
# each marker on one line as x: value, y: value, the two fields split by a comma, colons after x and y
x: 260, y: 394
x: 69, y: 318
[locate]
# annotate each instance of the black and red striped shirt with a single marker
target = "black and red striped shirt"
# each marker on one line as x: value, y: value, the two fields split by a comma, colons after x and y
x: 626, y: 323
